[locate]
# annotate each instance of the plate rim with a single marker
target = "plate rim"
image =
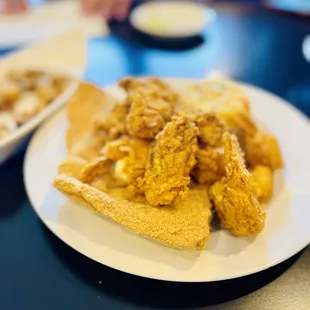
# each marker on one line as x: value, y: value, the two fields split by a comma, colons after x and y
x: 180, y: 279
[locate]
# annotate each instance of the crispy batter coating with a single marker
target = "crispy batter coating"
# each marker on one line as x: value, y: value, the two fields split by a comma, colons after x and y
x: 72, y: 166
x: 153, y: 87
x: 263, y: 149
x: 95, y: 169
x: 224, y: 98
x: 151, y: 104
x: 127, y: 158
x: 171, y: 161
x: 146, y: 118
x: 238, y: 209
x: 87, y: 102
x: 211, y: 129
x: 142, y: 158
x: 261, y: 183
x: 183, y: 225
x: 130, y: 170
x: 210, y: 166
x: 117, y: 149
x: 114, y: 125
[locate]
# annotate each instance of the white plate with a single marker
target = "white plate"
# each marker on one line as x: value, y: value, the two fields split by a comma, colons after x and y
x: 171, y: 19
x: 287, y: 228
x: 11, y: 143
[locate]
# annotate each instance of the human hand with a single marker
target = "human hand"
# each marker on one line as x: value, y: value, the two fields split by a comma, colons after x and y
x: 13, y: 6
x: 109, y: 9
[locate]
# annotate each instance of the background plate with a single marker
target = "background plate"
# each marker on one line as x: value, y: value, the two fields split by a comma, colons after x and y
x: 287, y: 227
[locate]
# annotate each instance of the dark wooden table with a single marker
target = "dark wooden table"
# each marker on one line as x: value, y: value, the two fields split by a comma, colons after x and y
x: 38, y: 271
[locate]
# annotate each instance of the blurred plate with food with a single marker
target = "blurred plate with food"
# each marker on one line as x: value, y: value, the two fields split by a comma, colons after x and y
x: 171, y: 19
x: 174, y: 179
x: 27, y: 97
x: 38, y: 23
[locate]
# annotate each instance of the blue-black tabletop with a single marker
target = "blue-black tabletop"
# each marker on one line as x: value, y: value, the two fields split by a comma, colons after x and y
x: 38, y: 271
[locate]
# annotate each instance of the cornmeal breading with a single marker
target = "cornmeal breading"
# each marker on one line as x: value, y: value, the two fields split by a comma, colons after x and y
x: 183, y: 225
x: 83, y: 107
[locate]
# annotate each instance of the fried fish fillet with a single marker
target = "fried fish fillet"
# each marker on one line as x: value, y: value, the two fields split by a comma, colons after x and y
x: 87, y: 102
x: 72, y: 166
x: 183, y: 225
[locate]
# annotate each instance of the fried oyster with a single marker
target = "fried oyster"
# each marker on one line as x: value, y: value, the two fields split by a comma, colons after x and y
x: 171, y: 161
x: 151, y: 106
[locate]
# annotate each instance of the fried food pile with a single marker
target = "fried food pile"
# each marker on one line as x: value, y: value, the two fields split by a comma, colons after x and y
x: 161, y: 162
x: 23, y: 94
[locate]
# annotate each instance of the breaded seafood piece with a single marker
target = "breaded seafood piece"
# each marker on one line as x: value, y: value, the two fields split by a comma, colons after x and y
x: 147, y: 117
x: 209, y: 167
x: 183, y: 225
x: 115, y: 124
x: 171, y: 161
x: 152, y: 87
x: 151, y: 104
x: 225, y: 98
x: 129, y: 171
x: 211, y: 129
x: 261, y: 183
x: 87, y: 103
x: 236, y: 206
x: 94, y: 169
x: 72, y: 166
x: 263, y: 149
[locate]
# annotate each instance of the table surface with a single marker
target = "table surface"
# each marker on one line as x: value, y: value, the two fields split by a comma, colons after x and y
x: 38, y: 271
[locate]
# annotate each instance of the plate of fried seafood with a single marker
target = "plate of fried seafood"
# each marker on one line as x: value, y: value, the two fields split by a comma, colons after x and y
x: 174, y: 179
x: 27, y: 97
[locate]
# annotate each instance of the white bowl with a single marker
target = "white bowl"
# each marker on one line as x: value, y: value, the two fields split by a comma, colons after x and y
x: 11, y: 143
x: 171, y: 19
